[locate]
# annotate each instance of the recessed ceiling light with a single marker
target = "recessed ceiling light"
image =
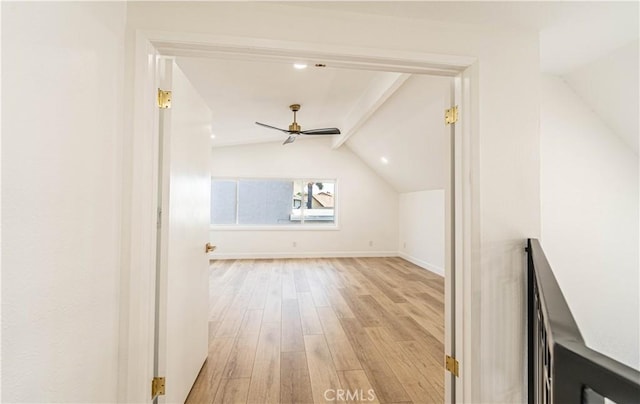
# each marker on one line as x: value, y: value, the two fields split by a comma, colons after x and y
x: 213, y: 136
x: 384, y: 160
x: 299, y: 66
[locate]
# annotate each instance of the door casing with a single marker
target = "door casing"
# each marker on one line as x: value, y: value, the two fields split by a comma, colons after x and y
x: 138, y: 298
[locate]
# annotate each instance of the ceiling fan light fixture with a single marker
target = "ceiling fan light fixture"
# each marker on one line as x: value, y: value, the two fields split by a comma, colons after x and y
x: 299, y: 66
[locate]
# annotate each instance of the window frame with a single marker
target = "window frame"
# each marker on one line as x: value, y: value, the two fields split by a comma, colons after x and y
x: 301, y: 226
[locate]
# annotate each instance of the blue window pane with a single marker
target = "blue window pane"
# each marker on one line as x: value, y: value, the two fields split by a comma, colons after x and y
x: 264, y: 202
x: 223, y: 202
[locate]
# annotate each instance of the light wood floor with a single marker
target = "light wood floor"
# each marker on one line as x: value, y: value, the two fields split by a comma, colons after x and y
x: 287, y: 331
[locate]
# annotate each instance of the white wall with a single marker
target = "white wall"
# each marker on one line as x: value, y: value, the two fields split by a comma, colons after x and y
x: 611, y: 86
x: 62, y: 70
x: 504, y: 169
x: 589, y: 193
x: 367, y: 207
x: 421, y: 229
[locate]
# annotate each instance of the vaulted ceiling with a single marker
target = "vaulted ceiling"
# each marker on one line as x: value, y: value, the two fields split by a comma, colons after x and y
x: 241, y: 92
x: 382, y: 115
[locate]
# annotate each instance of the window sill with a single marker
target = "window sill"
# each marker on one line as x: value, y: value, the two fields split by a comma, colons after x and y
x: 334, y: 227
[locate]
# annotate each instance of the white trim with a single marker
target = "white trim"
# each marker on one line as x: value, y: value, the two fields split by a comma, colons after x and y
x: 468, y: 282
x: 422, y: 264
x: 137, y: 297
x: 284, y: 227
x: 310, y: 254
x: 339, y: 55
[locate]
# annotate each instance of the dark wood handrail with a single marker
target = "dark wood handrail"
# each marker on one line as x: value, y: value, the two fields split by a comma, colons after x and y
x: 559, y: 320
x: 561, y: 368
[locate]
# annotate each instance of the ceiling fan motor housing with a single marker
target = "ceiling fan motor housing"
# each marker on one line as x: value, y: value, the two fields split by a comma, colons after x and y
x: 294, y: 127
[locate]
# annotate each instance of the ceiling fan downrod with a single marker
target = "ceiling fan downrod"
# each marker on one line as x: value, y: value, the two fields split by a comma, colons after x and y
x: 294, y: 127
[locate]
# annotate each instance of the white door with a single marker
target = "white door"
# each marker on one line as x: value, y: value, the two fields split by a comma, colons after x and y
x: 184, y: 196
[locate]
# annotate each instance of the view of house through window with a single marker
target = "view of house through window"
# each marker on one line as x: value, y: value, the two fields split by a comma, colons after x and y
x: 272, y: 202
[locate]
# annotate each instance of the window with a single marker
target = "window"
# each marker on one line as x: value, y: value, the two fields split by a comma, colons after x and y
x: 273, y: 202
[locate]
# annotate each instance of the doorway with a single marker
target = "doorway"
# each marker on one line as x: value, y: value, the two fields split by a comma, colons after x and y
x: 173, y: 46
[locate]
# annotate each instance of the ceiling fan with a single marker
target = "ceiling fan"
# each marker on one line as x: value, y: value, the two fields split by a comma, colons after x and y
x: 295, y: 129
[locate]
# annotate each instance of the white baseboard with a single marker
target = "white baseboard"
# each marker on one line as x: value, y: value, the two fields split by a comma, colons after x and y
x: 423, y: 264
x: 329, y: 254
x: 310, y: 254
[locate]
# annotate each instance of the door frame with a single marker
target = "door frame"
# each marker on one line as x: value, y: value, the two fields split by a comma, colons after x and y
x: 138, y: 292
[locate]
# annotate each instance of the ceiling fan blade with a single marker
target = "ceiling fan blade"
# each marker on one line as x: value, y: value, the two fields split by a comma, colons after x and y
x: 290, y: 139
x: 323, y: 131
x: 272, y: 127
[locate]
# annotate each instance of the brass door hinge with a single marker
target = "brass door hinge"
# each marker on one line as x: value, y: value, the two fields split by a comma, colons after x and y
x: 451, y: 364
x: 451, y: 115
x: 157, y: 387
x: 164, y: 99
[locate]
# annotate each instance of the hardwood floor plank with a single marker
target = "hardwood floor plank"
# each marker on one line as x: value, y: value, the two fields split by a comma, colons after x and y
x: 339, y: 305
x: 348, y: 273
x: 201, y: 389
x: 386, y: 319
x: 232, y: 391
x: 300, y: 279
x: 208, y: 380
x: 332, y: 276
x: 288, y: 282
x: 230, y: 324
x: 434, y: 302
x: 251, y: 322
x: 321, y: 370
x: 382, y: 378
x: 308, y: 314
x: 361, y: 311
x: 317, y: 290
x: 259, y: 296
x: 356, y: 381
x: 273, y: 303
x: 242, y: 356
x: 427, y: 320
x: 265, y: 378
x: 292, y: 340
x: 344, y: 358
x: 414, y: 382
x: 220, y: 307
x: 423, y: 337
x: 420, y: 354
x: 213, y: 327
x: 384, y: 287
x: 295, y: 383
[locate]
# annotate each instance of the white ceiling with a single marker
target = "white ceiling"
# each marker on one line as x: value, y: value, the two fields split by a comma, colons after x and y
x: 572, y: 33
x: 409, y: 132
x: 241, y: 92
x: 407, y: 128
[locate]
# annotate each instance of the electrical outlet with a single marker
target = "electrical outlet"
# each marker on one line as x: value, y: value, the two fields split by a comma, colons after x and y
x: 404, y: 245
x: 294, y: 244
x: 370, y: 243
